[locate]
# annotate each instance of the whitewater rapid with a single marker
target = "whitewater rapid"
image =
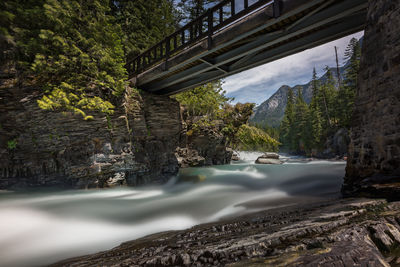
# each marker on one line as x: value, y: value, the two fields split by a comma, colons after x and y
x: 43, y: 227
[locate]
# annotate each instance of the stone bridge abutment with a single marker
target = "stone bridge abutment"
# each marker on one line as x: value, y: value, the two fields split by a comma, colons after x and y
x: 373, y: 166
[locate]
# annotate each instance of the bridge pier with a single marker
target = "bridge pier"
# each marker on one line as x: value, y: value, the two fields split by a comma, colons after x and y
x: 373, y: 165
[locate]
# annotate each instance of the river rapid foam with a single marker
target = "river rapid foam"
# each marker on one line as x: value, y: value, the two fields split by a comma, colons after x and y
x: 43, y: 227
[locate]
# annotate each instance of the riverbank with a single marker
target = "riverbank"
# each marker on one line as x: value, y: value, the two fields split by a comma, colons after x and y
x: 343, y: 232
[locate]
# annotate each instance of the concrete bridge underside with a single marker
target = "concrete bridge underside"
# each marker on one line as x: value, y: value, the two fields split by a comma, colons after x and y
x: 258, y: 38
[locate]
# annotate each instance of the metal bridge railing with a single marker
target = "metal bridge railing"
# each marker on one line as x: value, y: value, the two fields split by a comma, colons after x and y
x: 205, y: 26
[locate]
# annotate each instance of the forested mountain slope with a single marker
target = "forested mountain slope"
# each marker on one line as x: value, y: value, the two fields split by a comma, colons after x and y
x: 271, y: 111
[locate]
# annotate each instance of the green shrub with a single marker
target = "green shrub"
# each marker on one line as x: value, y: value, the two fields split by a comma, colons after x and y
x: 12, y: 144
x: 251, y: 138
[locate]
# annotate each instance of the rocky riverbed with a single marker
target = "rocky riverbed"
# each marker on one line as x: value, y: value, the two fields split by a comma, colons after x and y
x: 344, y: 232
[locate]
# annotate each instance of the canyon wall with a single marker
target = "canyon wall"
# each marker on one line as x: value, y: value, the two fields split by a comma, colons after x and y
x: 373, y: 165
x: 133, y: 146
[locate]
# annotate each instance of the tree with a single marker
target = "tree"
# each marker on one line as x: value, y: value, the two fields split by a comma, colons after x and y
x: 302, y: 140
x: 315, y: 86
x: 192, y: 9
x: 72, y: 50
x: 205, y: 100
x: 144, y: 23
x: 234, y: 116
x: 6, y: 38
x: 314, y: 121
x: 250, y: 138
x: 314, y: 127
x: 348, y: 91
x: 287, y: 135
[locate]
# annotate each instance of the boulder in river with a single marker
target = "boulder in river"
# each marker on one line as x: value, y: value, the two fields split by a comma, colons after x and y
x: 235, y: 157
x: 269, y: 158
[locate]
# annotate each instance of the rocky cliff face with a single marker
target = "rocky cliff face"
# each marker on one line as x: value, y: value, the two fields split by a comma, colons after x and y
x: 133, y: 146
x: 374, y: 150
x: 204, y: 146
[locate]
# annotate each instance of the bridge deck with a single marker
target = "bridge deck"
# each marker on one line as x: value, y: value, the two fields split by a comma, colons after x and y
x: 264, y: 32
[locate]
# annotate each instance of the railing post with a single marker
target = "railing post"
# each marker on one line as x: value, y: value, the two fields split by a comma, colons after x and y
x: 167, y: 49
x: 210, y: 22
x: 139, y: 62
x: 277, y: 8
x: 232, y: 8
x: 191, y: 32
x: 246, y: 4
x: 175, y: 42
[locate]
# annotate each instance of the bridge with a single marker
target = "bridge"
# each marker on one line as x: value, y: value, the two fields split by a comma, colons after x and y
x: 236, y: 35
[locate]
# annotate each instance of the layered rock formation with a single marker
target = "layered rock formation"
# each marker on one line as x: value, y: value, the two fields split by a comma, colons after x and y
x: 336, y: 233
x: 373, y: 164
x: 133, y: 146
x: 203, y: 145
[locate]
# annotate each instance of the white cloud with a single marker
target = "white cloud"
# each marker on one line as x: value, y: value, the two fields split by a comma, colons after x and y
x: 258, y: 84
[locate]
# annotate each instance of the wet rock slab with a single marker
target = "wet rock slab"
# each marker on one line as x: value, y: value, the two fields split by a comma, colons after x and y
x: 351, y: 232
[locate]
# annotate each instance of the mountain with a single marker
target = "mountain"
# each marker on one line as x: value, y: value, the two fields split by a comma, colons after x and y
x: 272, y: 110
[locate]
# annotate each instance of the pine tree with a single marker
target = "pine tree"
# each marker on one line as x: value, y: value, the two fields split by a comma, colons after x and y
x: 7, y: 42
x: 192, y: 9
x: 286, y: 129
x: 144, y: 23
x: 348, y: 91
x: 315, y: 127
x: 315, y: 86
x: 315, y: 119
x: 74, y: 52
x: 302, y: 138
x: 331, y: 96
x: 326, y: 99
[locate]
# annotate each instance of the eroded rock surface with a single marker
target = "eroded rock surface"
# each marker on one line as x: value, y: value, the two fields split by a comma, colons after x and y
x: 203, y: 145
x: 41, y: 148
x: 337, y: 233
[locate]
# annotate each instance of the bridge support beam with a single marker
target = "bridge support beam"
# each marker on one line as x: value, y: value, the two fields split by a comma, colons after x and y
x: 373, y: 165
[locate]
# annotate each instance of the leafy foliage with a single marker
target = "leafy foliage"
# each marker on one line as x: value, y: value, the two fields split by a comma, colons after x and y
x: 12, y: 144
x: 210, y: 104
x: 205, y: 100
x: 251, y: 138
x: 234, y: 117
x: 74, y: 51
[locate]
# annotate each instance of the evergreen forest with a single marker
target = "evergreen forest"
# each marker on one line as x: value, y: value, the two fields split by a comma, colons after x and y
x: 305, y: 128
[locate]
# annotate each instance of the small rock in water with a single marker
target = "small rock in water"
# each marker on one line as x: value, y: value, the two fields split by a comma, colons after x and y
x: 235, y: 157
x: 269, y: 158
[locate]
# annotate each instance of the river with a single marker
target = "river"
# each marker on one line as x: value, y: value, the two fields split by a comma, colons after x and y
x: 42, y: 227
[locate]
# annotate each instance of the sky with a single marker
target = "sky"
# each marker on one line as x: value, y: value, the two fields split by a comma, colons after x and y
x: 258, y: 84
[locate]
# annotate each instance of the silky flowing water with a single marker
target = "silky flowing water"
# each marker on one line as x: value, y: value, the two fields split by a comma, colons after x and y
x: 42, y: 227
